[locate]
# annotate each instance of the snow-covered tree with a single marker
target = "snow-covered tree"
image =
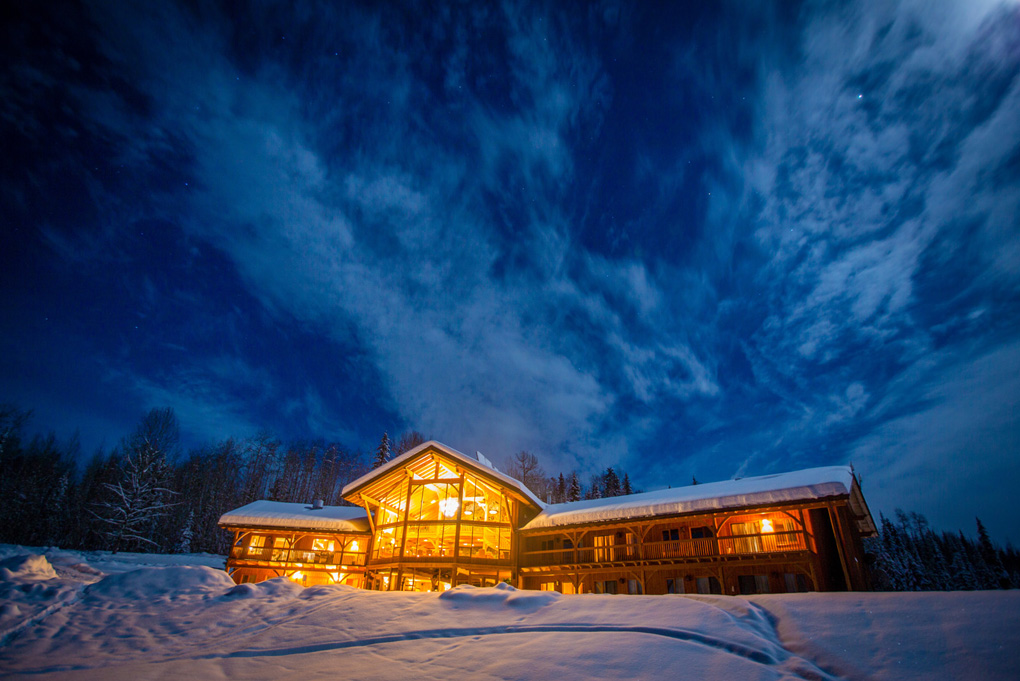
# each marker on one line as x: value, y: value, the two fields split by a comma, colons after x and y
x: 141, y: 494
x: 574, y: 490
x: 382, y: 452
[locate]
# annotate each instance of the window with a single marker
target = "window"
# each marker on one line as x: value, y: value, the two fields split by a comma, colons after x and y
x: 753, y: 584
x: 701, y: 532
x: 634, y: 587
x: 674, y: 586
x: 609, y: 586
x: 602, y: 551
x: 708, y: 585
x: 671, y: 535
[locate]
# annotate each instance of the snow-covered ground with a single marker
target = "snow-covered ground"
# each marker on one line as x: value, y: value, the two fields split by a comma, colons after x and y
x: 70, y: 615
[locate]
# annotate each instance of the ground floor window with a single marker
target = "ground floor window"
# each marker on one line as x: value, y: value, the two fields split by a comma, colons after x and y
x: 708, y: 585
x: 674, y: 586
x: 795, y: 583
x: 753, y: 584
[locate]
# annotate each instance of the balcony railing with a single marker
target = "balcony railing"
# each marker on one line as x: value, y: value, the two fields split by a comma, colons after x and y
x: 274, y: 555
x: 770, y: 542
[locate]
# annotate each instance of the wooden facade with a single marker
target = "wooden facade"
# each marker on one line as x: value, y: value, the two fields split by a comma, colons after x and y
x: 766, y: 549
x: 435, y: 518
x: 294, y: 541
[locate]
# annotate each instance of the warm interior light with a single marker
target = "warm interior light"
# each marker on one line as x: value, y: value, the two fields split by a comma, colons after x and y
x: 493, y: 511
x: 296, y: 576
x: 448, y: 507
x: 354, y: 546
x: 766, y: 525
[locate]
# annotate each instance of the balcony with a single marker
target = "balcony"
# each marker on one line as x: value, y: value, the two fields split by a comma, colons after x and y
x: 670, y: 551
x: 291, y: 556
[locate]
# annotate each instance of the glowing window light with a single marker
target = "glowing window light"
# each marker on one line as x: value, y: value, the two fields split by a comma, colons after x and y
x: 766, y: 525
x: 296, y: 576
x: 354, y: 546
x: 448, y: 507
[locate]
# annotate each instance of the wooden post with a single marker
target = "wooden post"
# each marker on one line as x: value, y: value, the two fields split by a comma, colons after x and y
x: 454, y: 573
x: 837, y: 529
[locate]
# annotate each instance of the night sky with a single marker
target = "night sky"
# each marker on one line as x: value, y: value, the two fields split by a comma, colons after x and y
x: 703, y: 239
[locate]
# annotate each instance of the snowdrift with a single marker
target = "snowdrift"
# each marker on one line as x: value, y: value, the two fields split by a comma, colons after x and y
x: 181, y: 621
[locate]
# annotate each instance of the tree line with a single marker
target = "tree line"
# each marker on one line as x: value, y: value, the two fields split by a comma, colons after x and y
x: 147, y: 494
x: 907, y: 555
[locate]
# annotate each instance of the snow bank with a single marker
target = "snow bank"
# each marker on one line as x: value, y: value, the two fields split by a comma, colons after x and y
x: 161, y: 582
x: 26, y: 566
x: 498, y: 597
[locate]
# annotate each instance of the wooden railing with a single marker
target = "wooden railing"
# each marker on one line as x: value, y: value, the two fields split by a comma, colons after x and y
x: 770, y: 542
x: 274, y: 555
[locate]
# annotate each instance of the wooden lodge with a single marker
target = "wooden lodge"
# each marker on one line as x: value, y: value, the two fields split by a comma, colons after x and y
x: 434, y: 518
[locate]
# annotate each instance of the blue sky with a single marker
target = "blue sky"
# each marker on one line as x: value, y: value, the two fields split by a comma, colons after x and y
x: 708, y: 239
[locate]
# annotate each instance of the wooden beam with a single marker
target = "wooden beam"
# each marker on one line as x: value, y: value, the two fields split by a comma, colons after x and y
x: 381, y: 504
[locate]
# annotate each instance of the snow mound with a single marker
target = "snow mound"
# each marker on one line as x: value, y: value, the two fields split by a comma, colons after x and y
x: 280, y: 588
x: 28, y: 566
x: 148, y: 583
x: 496, y: 597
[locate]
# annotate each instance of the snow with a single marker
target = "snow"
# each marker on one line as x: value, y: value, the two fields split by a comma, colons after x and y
x: 804, y: 485
x: 301, y: 516
x: 172, y: 620
x: 491, y: 471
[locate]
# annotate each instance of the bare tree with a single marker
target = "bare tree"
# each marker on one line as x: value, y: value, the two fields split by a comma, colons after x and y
x: 409, y: 441
x: 524, y: 466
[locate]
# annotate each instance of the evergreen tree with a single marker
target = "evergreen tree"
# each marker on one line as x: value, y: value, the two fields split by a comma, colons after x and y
x: 561, y: 489
x: 610, y: 483
x: 574, y: 491
x: 626, y: 485
x: 694, y: 480
x: 382, y: 452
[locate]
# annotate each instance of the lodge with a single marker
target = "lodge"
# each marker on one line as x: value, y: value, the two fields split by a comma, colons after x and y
x: 434, y: 518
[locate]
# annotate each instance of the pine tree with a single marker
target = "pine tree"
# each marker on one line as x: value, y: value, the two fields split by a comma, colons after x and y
x: 382, y: 453
x: 574, y: 491
x: 627, y: 489
x: 561, y: 489
x: 694, y: 480
x: 610, y: 483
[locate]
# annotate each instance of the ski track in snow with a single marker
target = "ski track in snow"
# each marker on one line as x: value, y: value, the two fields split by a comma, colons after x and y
x: 182, y: 621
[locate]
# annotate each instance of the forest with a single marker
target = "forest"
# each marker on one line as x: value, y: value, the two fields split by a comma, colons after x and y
x: 148, y: 495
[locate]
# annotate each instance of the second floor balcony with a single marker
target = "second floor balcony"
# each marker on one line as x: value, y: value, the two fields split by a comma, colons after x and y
x: 679, y: 550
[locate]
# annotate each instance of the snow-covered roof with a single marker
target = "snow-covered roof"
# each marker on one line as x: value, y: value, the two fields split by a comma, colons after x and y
x: 478, y: 462
x: 805, y: 485
x: 297, y: 516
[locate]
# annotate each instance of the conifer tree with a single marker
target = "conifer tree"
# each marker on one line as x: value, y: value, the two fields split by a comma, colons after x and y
x: 574, y: 491
x: 382, y: 453
x: 610, y: 483
x: 627, y: 489
x: 561, y: 489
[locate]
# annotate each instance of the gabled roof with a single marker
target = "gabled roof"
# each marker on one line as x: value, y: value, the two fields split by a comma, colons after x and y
x: 478, y: 464
x: 806, y: 485
x: 297, y: 516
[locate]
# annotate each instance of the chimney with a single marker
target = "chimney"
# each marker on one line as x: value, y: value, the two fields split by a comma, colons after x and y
x: 317, y: 505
